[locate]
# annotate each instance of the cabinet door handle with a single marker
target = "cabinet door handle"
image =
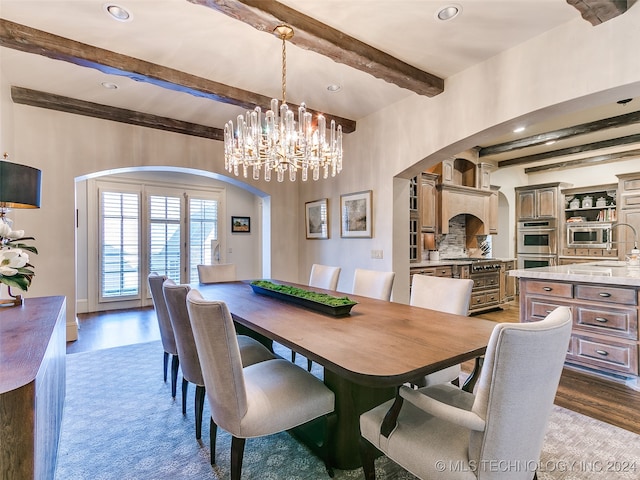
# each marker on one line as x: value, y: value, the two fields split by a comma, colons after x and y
x: 602, y: 352
x: 605, y: 294
x: 601, y: 319
x: 547, y: 289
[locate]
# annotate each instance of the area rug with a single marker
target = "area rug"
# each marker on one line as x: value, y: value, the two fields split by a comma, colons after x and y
x: 120, y: 423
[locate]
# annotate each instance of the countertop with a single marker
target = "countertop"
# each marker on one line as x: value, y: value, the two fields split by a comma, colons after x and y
x: 612, y: 272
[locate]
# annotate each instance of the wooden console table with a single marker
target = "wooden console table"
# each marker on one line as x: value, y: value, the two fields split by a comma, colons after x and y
x: 32, y: 387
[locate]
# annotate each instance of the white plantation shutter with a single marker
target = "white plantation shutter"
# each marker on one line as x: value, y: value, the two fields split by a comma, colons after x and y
x: 119, y: 245
x: 203, y: 229
x: 164, y: 236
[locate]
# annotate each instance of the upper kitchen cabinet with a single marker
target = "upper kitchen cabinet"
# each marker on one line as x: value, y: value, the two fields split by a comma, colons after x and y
x: 539, y: 201
x: 428, y: 202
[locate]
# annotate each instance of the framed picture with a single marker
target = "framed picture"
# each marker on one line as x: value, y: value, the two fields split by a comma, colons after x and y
x: 240, y: 224
x: 355, y: 211
x: 317, y: 218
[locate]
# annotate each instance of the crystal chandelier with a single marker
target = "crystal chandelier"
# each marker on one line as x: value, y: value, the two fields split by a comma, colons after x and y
x: 280, y: 143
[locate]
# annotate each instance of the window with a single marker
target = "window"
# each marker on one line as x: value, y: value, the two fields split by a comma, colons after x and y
x: 203, y: 234
x: 151, y: 228
x: 164, y: 236
x: 120, y: 249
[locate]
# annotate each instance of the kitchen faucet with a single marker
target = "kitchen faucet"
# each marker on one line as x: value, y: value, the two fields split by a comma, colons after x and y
x: 635, y: 253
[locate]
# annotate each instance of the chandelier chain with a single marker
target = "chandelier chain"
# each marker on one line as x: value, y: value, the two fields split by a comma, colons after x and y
x: 284, y: 68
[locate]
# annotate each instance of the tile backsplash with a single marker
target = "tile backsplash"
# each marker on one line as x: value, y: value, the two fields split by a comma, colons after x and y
x: 454, y: 244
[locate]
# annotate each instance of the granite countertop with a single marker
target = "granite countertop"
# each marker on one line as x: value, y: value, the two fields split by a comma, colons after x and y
x: 613, y: 272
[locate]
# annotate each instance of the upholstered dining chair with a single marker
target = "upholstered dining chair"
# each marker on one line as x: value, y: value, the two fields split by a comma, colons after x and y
x: 321, y: 276
x: 373, y: 284
x: 449, y: 295
x: 251, y: 351
x: 324, y: 276
x: 258, y: 400
x: 219, y: 272
x: 166, y: 330
x: 442, y: 432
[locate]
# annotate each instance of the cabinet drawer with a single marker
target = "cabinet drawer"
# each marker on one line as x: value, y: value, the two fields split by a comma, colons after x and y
x: 549, y: 289
x: 477, y: 299
x: 613, y: 356
x: 608, y: 294
x: 492, y: 297
x: 444, y: 271
x: 618, y: 322
x: 539, y: 308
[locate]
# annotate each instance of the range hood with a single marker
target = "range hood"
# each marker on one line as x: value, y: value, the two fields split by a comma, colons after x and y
x: 457, y: 200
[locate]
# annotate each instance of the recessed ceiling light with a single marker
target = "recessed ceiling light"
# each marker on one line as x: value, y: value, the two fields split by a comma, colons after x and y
x: 117, y: 12
x: 448, y: 12
x: 110, y: 85
x: 334, y: 87
x: 518, y: 129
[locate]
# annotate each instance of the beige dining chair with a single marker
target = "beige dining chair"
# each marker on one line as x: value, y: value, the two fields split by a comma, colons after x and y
x: 321, y: 276
x: 449, y: 295
x: 324, y: 276
x: 219, y: 272
x: 442, y: 432
x: 373, y: 284
x: 166, y: 330
x: 251, y: 351
x: 258, y: 400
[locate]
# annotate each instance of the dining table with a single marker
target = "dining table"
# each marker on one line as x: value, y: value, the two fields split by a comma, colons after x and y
x: 366, y: 354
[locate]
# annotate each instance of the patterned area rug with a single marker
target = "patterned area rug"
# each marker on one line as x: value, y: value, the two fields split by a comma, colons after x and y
x: 121, y: 423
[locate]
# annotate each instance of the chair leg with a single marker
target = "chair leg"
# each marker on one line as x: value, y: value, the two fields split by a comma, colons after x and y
x: 199, y: 406
x: 309, y: 362
x: 185, y: 387
x: 213, y: 431
x: 237, y: 452
x: 293, y: 356
x: 166, y: 366
x: 329, y: 425
x: 368, y: 456
x: 175, y: 362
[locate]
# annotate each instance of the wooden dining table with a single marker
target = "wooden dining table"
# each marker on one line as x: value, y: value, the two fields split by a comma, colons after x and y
x: 366, y: 354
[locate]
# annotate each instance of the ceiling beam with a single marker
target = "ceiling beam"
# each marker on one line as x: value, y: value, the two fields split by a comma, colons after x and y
x: 34, y: 98
x: 584, y: 162
x: 613, y: 142
x: 563, y: 133
x: 599, y: 11
x: 310, y: 34
x: 30, y: 40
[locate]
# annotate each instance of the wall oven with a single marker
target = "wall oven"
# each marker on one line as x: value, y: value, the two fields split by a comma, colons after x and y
x: 537, y: 237
x: 534, y: 261
x: 588, y: 235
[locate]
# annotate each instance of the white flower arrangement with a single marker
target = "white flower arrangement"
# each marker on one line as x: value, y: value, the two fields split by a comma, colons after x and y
x: 15, y: 269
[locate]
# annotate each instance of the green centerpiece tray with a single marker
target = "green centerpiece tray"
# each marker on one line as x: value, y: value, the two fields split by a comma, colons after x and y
x: 321, y: 302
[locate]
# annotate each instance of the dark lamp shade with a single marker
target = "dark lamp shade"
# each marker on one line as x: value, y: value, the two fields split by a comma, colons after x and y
x: 19, y: 186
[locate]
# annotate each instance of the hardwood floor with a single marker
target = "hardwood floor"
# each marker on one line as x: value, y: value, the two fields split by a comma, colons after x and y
x: 587, y: 394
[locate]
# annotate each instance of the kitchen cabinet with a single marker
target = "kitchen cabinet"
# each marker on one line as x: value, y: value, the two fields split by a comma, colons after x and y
x: 628, y: 211
x: 538, y: 201
x: 493, y: 210
x: 604, y: 336
x: 415, y: 243
x: 428, y: 202
x: 507, y: 282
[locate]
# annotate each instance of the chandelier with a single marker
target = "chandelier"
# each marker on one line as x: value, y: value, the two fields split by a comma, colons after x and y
x: 278, y: 143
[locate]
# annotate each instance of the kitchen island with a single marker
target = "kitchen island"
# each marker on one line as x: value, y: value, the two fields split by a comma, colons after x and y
x: 603, y: 297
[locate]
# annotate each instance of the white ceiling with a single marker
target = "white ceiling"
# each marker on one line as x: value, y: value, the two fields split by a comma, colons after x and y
x: 203, y: 42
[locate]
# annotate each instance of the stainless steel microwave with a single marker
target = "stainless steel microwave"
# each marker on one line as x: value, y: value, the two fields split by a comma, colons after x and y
x: 588, y: 235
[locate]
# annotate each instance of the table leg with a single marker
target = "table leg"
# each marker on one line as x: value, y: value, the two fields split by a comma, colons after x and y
x: 351, y: 401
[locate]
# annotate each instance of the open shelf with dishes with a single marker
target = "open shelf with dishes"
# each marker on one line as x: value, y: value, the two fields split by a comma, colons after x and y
x: 590, y: 204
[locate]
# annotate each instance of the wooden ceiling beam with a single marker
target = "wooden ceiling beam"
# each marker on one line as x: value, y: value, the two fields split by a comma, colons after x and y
x: 598, y: 11
x: 588, y: 147
x: 30, y: 40
x: 34, y: 98
x: 310, y: 34
x: 584, y: 162
x: 563, y: 133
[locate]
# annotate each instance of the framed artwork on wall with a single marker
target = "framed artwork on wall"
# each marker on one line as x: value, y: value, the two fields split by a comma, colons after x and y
x: 240, y: 224
x: 355, y: 213
x: 317, y: 218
